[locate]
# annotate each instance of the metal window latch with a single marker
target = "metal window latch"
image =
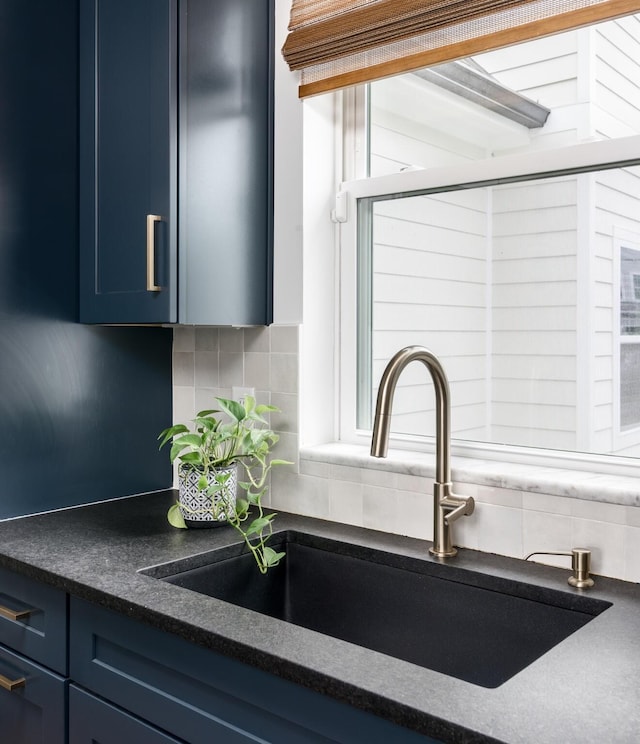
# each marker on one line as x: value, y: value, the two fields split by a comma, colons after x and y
x: 340, y: 213
x: 580, y: 565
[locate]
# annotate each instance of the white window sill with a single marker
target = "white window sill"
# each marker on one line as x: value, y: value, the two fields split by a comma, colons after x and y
x: 577, y: 484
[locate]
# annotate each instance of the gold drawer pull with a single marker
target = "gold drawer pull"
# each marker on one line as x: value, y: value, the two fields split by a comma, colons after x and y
x: 151, y: 253
x: 12, y: 684
x: 15, y: 614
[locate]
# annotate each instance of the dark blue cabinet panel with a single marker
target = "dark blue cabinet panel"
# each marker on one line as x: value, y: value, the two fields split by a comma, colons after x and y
x: 33, y: 620
x: 201, y: 696
x: 176, y: 100
x: 127, y: 159
x: 226, y: 200
x: 65, y: 389
x: 35, y: 711
x: 94, y: 721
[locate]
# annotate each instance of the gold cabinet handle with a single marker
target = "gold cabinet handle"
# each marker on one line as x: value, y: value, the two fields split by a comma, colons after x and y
x: 15, y: 614
x: 151, y: 252
x: 12, y: 684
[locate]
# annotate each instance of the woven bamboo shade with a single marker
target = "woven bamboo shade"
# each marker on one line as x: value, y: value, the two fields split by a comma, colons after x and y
x: 337, y: 43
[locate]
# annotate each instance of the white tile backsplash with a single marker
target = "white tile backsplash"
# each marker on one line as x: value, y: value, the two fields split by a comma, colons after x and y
x: 387, y: 496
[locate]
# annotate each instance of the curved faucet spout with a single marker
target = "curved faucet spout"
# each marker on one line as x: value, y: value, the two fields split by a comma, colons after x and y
x: 447, y: 506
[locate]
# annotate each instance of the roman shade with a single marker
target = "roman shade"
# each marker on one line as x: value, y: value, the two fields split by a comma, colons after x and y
x: 337, y: 43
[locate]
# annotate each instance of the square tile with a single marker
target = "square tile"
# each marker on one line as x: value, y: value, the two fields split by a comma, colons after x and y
x: 184, y: 338
x: 257, y: 370
x: 231, y: 339
x: 286, y: 419
x: 257, y: 339
x: 346, y: 502
x: 230, y: 370
x: 206, y: 369
x: 206, y: 339
x: 379, y: 508
x: 183, y: 368
x: 284, y: 339
x: 284, y: 373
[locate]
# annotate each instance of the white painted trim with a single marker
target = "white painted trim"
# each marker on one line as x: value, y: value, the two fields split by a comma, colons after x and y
x: 625, y: 150
x: 287, y: 188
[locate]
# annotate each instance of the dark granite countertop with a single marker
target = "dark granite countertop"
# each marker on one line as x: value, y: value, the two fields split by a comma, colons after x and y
x: 586, y: 689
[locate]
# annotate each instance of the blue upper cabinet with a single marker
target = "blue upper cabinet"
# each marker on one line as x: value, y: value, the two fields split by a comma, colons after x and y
x: 176, y: 161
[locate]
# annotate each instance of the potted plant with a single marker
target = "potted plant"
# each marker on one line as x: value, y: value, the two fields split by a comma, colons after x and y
x: 226, y: 449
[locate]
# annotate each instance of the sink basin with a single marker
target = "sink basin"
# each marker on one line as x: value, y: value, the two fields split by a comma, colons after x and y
x: 468, y: 625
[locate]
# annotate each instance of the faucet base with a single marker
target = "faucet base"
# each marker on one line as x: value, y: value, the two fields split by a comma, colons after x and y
x: 443, y: 553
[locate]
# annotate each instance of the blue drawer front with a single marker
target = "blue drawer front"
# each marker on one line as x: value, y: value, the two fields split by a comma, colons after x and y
x: 94, y: 721
x: 201, y: 696
x: 36, y: 712
x: 42, y: 633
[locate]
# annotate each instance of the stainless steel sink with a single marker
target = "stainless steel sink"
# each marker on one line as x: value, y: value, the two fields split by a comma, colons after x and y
x: 468, y: 625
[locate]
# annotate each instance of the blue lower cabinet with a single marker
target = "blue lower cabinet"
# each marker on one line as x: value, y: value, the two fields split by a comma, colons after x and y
x: 38, y: 629
x: 200, y: 696
x: 94, y: 721
x: 33, y: 702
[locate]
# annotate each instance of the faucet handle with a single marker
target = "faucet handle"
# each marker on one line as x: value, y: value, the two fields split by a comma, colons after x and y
x: 580, y: 565
x: 457, y: 506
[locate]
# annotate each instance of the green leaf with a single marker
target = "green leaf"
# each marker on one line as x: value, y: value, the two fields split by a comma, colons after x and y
x: 264, y: 408
x: 280, y: 462
x: 257, y: 526
x: 191, y: 440
x: 193, y: 458
x: 271, y: 557
x: 175, y: 517
x: 207, y: 413
x: 171, y: 432
x: 232, y: 408
x: 242, y: 506
x: 176, y: 449
x: 254, y: 496
x: 202, y: 482
x: 205, y: 424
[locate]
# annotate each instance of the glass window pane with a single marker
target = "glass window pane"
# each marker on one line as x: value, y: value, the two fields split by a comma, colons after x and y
x: 552, y: 92
x: 629, y: 386
x: 513, y: 286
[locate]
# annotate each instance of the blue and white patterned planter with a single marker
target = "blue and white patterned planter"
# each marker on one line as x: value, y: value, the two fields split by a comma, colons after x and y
x: 198, y: 509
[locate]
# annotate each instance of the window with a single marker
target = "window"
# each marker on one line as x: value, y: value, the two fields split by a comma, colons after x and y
x: 489, y: 208
x: 629, y: 339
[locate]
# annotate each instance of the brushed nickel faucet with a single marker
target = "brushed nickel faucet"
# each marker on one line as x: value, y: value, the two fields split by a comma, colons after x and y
x: 447, y: 507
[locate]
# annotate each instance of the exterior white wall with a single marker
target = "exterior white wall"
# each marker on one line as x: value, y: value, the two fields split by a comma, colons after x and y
x: 534, y: 294
x: 429, y: 263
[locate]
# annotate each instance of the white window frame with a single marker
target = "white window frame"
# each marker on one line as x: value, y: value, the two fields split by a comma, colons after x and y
x: 627, y: 437
x: 574, y: 158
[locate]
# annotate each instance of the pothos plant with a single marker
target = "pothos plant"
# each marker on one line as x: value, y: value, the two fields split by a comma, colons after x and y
x: 235, y: 433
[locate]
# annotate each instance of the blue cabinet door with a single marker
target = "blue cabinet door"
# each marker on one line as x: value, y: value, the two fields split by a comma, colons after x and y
x: 33, y: 620
x: 225, y: 200
x: 176, y: 161
x: 94, y: 721
x: 198, y: 695
x: 33, y: 702
x: 128, y: 161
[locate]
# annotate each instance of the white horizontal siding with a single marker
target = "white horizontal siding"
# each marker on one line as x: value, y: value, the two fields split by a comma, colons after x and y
x: 525, y: 55
x: 538, y: 318
x: 617, y: 76
x: 536, y: 367
x: 535, y: 294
